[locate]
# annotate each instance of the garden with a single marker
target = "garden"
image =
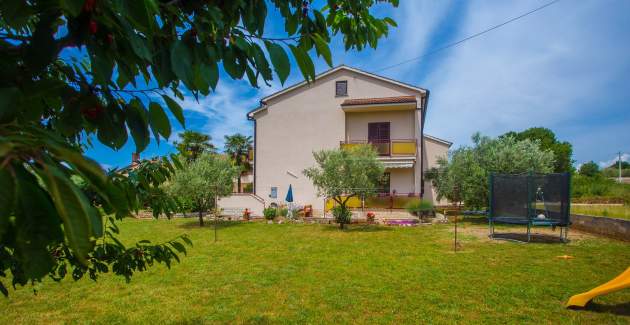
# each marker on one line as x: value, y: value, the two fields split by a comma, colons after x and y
x: 308, y: 273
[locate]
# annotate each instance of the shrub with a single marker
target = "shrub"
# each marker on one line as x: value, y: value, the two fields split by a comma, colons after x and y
x: 419, y: 207
x: 342, y: 215
x: 283, y: 212
x: 248, y: 188
x: 270, y: 213
x: 371, y: 216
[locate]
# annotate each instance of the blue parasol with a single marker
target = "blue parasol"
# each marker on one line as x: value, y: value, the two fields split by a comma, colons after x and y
x: 289, y: 197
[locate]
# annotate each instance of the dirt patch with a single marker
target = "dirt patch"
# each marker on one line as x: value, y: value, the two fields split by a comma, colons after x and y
x: 539, y: 235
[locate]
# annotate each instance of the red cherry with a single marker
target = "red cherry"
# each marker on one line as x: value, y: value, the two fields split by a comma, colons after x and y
x: 93, y: 27
x: 92, y: 113
x: 88, y: 5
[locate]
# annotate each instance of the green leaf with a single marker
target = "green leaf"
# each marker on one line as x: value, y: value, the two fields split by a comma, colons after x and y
x: 7, y: 198
x: 102, y: 66
x: 211, y: 74
x: 80, y: 219
x: 137, y: 122
x: 159, y: 121
x: 261, y: 62
x: 138, y: 44
x: 37, y: 225
x: 390, y: 21
x: 111, y: 129
x: 72, y: 6
x: 8, y: 97
x: 42, y: 49
x: 322, y: 48
x: 291, y: 23
x: 231, y: 65
x: 138, y: 11
x: 178, y: 246
x: 304, y: 62
x: 251, y: 76
x: 181, y: 62
x: 279, y: 59
x: 175, y: 109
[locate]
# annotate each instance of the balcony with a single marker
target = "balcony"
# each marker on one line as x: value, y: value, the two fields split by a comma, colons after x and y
x: 387, y: 148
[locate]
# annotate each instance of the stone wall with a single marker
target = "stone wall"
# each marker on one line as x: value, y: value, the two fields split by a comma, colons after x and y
x: 609, y: 227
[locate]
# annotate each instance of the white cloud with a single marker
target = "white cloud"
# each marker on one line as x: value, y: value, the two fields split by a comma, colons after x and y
x: 225, y: 109
x: 624, y: 157
x: 543, y: 70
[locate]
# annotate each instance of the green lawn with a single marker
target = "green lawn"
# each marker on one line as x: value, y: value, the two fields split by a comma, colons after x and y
x: 261, y: 273
x: 599, y: 210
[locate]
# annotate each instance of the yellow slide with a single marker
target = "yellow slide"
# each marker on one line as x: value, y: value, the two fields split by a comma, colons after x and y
x: 620, y: 282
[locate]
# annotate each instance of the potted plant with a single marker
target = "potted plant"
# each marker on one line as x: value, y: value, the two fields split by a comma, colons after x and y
x: 371, y: 216
x: 270, y: 214
x: 420, y: 208
x: 246, y: 214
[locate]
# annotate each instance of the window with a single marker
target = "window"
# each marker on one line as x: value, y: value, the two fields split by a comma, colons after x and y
x: 274, y: 193
x: 341, y: 88
x: 378, y: 136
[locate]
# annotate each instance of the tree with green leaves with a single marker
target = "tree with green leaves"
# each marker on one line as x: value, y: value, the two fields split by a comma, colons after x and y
x: 77, y: 71
x: 237, y: 147
x: 202, y: 180
x: 562, y: 150
x: 589, y: 169
x: 463, y: 177
x: 194, y: 144
x: 341, y: 174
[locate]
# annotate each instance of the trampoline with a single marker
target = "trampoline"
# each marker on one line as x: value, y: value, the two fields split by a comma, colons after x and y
x: 531, y: 200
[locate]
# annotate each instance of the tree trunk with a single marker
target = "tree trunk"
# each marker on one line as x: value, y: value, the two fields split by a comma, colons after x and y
x: 239, y: 183
x: 200, y: 218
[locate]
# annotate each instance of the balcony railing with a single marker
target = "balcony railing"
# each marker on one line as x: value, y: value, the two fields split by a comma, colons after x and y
x: 394, y: 147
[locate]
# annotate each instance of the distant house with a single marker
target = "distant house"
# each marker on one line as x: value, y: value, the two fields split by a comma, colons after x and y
x: 343, y: 107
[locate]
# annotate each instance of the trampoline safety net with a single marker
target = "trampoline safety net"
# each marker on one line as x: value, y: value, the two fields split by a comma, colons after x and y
x: 542, y: 199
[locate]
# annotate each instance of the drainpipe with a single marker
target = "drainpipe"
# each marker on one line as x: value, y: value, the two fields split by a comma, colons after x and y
x: 423, y: 113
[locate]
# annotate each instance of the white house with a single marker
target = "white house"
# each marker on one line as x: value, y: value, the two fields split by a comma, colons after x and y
x: 344, y: 106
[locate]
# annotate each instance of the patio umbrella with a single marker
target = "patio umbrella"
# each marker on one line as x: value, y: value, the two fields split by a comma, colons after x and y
x: 289, y: 199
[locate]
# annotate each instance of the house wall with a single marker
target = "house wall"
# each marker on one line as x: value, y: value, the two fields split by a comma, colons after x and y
x: 402, y: 124
x: 432, y: 151
x: 401, y: 180
x: 304, y: 120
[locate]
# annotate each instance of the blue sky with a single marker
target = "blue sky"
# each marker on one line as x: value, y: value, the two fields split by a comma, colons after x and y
x: 565, y: 67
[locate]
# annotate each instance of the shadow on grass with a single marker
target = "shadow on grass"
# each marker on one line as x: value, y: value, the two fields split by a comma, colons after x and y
x: 358, y: 228
x: 475, y: 220
x: 535, y: 238
x: 622, y: 309
x: 194, y: 224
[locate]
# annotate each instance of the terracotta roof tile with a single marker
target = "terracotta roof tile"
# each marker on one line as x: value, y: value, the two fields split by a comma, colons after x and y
x: 379, y: 100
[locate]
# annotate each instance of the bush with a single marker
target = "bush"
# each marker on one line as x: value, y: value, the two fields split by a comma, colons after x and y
x: 270, y: 213
x: 342, y: 215
x: 283, y: 212
x: 248, y: 188
x: 419, y: 208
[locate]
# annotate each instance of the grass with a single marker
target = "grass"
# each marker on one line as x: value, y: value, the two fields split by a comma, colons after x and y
x: 296, y: 273
x: 600, y: 210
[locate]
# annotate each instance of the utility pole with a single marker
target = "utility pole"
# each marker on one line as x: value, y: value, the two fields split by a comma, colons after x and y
x: 619, y: 164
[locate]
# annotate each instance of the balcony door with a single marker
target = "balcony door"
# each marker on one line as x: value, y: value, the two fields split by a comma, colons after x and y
x: 378, y: 136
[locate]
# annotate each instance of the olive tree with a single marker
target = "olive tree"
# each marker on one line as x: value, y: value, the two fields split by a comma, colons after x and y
x: 202, y: 180
x: 77, y: 71
x: 463, y: 176
x: 341, y: 174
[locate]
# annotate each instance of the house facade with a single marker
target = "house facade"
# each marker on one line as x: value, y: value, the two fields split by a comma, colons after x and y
x: 343, y: 107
